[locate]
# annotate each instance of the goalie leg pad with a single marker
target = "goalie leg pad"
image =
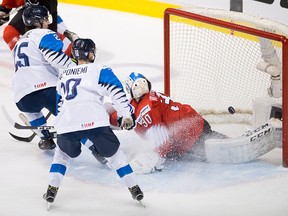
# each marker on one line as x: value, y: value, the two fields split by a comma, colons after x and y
x: 147, y: 162
x: 268, y: 52
x: 246, y: 148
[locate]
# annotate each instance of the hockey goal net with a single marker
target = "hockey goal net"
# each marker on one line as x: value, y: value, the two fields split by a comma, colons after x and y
x: 216, y: 59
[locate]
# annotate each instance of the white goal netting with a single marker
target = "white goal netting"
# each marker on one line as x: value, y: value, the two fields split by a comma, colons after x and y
x: 213, y: 68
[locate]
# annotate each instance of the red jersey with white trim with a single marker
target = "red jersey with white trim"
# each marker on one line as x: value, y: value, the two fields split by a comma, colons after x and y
x: 172, y: 126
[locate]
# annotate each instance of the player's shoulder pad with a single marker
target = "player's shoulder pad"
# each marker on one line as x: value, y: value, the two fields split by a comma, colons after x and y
x: 50, y: 40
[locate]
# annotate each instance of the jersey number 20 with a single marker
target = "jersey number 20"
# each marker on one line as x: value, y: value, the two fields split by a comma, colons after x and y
x: 70, y: 88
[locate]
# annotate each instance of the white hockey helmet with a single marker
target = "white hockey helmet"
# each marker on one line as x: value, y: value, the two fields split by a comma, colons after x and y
x: 137, y: 85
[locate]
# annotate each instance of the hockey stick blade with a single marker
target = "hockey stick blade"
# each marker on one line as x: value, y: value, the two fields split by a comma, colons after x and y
x: 29, y: 138
x: 23, y: 139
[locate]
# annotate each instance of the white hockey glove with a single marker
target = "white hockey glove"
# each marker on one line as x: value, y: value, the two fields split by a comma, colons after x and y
x: 147, y: 162
x: 127, y: 123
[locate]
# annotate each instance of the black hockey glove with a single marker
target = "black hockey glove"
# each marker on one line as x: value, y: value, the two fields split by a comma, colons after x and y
x: 70, y: 35
x: 127, y: 123
x: 4, y: 15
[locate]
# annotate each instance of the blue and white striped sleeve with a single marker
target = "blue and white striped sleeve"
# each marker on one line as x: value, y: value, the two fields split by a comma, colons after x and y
x: 51, y: 48
x: 114, y: 88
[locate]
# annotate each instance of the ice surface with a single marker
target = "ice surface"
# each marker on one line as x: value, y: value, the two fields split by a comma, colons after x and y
x: 129, y: 43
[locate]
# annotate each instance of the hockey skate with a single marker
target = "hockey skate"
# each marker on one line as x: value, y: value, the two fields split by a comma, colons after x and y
x: 46, y: 142
x: 136, y: 192
x: 50, y: 195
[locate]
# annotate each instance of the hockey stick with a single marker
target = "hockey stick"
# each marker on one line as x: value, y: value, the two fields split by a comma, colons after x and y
x: 23, y: 127
x: 29, y: 138
x: 14, y: 11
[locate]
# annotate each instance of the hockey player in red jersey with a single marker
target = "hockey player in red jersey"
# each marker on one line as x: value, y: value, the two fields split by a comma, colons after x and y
x: 174, y: 128
x: 16, y: 27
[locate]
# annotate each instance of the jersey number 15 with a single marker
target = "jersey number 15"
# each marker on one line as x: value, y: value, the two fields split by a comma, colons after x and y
x: 21, y: 59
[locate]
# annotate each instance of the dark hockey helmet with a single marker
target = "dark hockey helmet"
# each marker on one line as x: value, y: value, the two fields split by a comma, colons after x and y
x: 33, y: 14
x: 84, y: 49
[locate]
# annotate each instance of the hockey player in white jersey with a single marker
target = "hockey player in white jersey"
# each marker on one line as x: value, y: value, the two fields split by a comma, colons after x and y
x: 37, y: 57
x: 82, y: 115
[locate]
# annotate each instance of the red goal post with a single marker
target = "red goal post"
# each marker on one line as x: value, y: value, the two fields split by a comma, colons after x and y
x: 210, y: 59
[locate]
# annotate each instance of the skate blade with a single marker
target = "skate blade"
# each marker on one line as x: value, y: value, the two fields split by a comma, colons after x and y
x: 142, y: 205
x: 48, y: 206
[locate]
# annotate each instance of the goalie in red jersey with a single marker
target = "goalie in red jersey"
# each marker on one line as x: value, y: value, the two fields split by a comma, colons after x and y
x: 175, y: 129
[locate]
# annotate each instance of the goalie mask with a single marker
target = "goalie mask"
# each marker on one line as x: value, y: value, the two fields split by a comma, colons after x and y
x: 84, y: 49
x: 34, y: 15
x: 137, y: 85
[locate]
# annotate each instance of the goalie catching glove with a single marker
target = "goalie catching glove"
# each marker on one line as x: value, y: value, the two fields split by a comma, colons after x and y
x: 127, y: 123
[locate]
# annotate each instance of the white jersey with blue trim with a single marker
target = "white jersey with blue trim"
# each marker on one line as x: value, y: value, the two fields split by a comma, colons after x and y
x: 37, y: 57
x: 81, y: 92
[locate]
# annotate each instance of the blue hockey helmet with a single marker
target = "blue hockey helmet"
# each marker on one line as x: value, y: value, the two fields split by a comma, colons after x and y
x: 137, y: 85
x: 84, y: 49
x: 35, y: 14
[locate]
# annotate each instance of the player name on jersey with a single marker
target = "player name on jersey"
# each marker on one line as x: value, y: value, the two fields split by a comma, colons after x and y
x: 74, y: 71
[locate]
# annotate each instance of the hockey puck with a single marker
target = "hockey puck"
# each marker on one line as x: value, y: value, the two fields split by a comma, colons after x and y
x: 231, y: 110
